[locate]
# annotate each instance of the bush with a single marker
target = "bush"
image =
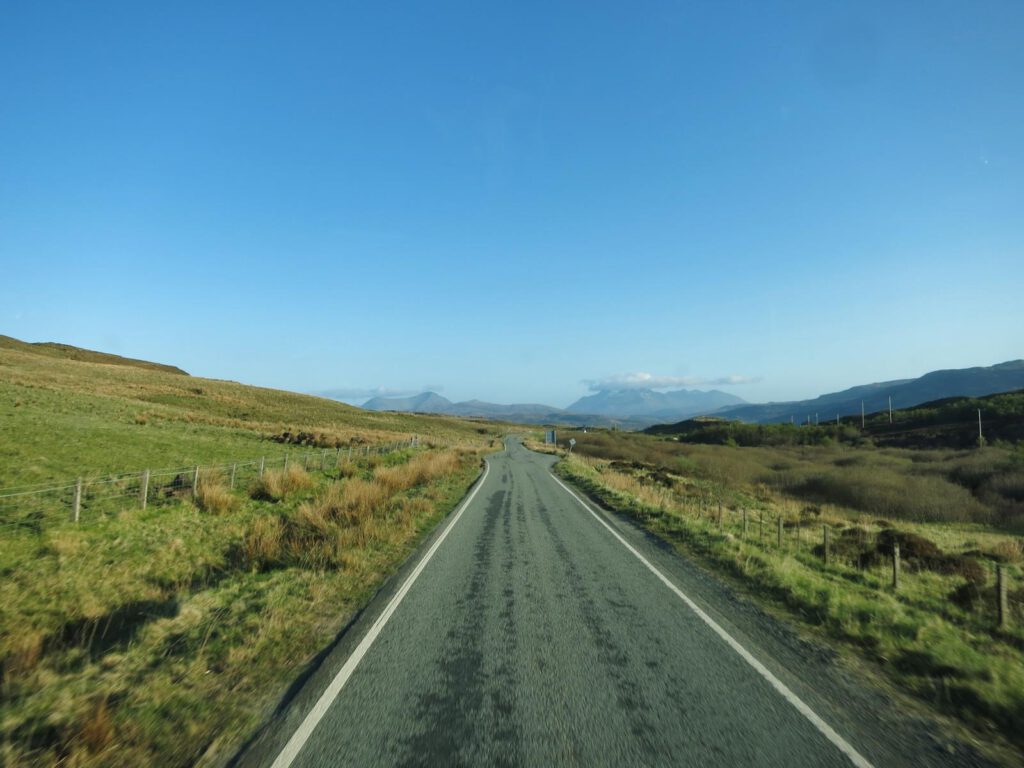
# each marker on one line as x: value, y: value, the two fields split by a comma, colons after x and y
x: 213, y: 495
x: 278, y: 483
x: 912, y: 546
x: 261, y: 547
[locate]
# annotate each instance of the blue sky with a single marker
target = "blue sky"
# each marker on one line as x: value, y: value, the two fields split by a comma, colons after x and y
x: 510, y: 200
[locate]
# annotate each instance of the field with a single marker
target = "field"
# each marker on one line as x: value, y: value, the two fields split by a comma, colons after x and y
x: 166, y: 635
x: 759, y: 516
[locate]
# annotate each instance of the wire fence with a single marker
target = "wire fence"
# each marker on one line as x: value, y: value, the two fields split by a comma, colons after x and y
x: 32, y: 508
x: 879, y: 555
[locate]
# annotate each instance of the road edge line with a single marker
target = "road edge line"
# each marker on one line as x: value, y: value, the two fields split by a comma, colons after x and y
x: 298, y: 739
x: 824, y: 728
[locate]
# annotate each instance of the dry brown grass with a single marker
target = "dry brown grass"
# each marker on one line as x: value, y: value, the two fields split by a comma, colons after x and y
x: 213, y: 494
x: 420, y: 469
x: 262, y: 544
x: 345, y: 516
x: 23, y: 657
x: 1007, y: 551
x: 97, y: 731
x: 278, y: 483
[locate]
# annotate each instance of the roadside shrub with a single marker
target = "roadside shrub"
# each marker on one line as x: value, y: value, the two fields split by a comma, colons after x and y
x: 261, y: 547
x: 1007, y: 551
x: 97, y: 731
x: 856, y: 546
x: 417, y: 471
x: 278, y: 483
x: 311, y: 539
x: 213, y: 495
x: 887, y: 492
x: 912, y: 546
x: 958, y: 565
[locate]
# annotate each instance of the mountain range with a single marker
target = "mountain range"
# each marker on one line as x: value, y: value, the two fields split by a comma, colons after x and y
x: 639, y: 408
x: 520, y: 413
x: 627, y: 408
x: 957, y: 382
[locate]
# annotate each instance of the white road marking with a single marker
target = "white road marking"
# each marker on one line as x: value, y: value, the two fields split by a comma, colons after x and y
x: 826, y: 730
x: 306, y: 728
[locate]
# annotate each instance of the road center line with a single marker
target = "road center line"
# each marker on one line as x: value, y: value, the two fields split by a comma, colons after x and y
x: 826, y: 730
x: 309, y: 724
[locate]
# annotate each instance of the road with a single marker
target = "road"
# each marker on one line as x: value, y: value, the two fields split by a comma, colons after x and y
x: 535, y: 629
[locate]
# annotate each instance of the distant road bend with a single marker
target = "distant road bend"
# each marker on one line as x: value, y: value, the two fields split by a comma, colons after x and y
x: 534, y: 629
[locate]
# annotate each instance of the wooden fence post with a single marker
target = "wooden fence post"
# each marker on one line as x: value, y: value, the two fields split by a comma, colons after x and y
x: 895, y: 565
x: 825, y: 543
x: 1004, y: 613
x: 719, y: 515
x: 778, y: 534
x: 76, y: 504
x: 744, y: 522
x: 263, y: 461
x: 286, y: 461
x: 144, y: 489
x: 234, y: 471
x: 761, y: 522
x: 195, y: 482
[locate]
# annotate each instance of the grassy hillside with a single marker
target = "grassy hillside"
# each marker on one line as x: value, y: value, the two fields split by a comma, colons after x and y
x: 164, y: 636
x: 68, y: 352
x: 947, y: 423
x: 64, y: 418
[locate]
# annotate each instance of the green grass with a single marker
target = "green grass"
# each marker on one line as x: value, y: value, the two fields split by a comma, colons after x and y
x: 975, y: 485
x: 950, y: 655
x: 164, y: 636
x: 948, y: 423
x: 162, y: 621
x: 63, y: 419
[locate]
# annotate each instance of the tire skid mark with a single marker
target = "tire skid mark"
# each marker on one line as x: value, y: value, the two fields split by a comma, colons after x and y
x: 629, y: 695
x: 449, y: 715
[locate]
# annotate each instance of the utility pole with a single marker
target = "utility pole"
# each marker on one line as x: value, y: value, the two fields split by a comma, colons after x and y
x: 890, y: 409
x: 981, y: 440
x: 815, y: 419
x: 837, y: 419
x: 862, y: 414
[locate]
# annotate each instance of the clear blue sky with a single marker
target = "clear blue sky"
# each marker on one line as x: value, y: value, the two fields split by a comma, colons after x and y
x: 509, y: 199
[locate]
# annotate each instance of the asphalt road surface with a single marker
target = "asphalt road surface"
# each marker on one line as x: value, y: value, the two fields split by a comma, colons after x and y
x: 534, y: 629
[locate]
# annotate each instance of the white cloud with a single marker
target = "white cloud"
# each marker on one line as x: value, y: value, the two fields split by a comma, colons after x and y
x: 642, y: 380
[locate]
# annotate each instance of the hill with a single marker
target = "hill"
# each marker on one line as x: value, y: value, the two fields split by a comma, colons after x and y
x: 127, y: 626
x: 905, y: 393
x: 426, y: 402
x: 63, y: 416
x: 947, y: 423
x: 68, y: 352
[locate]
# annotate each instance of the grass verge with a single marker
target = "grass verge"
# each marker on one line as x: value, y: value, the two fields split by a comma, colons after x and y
x: 160, y: 637
x: 945, y: 651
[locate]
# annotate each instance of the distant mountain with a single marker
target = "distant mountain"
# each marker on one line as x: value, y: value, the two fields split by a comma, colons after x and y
x: 426, y: 402
x: 648, y: 404
x: 959, y: 382
x: 519, y: 413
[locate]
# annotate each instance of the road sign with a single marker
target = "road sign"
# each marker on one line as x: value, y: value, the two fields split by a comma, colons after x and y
x: 572, y: 442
